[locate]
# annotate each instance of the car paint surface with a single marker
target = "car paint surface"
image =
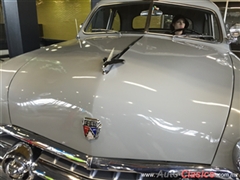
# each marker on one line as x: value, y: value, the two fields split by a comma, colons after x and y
x: 160, y: 122
x: 231, y: 134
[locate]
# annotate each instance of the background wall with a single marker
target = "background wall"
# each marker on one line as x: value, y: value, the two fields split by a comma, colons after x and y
x: 58, y: 17
x: 3, y: 41
x: 1, y: 13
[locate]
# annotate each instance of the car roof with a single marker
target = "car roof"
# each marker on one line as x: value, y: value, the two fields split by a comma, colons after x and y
x: 202, y: 3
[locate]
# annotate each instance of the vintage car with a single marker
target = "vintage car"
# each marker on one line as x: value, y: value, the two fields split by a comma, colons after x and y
x: 127, y: 99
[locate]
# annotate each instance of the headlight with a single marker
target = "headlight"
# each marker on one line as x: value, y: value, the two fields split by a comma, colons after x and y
x: 236, y: 155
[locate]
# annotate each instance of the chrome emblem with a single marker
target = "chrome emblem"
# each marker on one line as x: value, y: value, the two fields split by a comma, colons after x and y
x: 91, y: 128
x: 17, y: 162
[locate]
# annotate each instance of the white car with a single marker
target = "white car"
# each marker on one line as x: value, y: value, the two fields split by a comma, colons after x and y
x: 127, y: 99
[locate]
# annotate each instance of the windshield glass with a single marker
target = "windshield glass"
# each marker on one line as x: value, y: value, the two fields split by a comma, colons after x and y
x: 143, y: 17
x: 118, y: 17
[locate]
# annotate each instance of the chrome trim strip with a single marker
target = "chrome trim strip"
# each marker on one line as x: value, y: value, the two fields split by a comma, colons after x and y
x: 43, y: 143
x: 3, y: 150
x: 47, y: 172
x: 92, y: 174
x: 107, y: 164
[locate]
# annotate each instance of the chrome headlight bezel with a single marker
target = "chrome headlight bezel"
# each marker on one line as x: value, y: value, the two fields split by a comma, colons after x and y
x: 236, y: 155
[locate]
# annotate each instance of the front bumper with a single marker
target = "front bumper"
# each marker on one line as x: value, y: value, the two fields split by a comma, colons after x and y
x: 25, y: 155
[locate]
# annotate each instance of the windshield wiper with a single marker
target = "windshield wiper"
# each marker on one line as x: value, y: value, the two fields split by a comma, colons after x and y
x: 200, y: 36
x: 106, y: 31
x: 110, y: 61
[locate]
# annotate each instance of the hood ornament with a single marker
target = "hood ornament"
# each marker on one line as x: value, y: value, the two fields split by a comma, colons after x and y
x: 91, y: 128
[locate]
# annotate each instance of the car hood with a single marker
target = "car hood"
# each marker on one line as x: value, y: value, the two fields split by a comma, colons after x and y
x: 169, y: 101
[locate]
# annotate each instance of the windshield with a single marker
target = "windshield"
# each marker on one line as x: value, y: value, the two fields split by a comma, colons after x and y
x: 144, y: 17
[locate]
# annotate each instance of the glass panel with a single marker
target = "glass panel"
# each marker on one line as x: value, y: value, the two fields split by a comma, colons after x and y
x: 120, y: 17
x: 216, y: 29
x: 132, y: 17
x: 196, y: 21
x: 116, y: 23
x: 139, y: 22
x: 100, y: 21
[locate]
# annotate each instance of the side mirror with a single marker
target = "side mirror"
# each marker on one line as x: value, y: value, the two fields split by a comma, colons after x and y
x: 234, y: 33
x: 235, y: 30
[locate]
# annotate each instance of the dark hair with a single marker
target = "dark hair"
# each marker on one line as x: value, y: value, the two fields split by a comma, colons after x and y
x: 176, y: 18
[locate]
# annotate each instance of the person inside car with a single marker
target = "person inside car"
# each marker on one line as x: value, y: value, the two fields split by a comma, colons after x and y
x: 179, y: 23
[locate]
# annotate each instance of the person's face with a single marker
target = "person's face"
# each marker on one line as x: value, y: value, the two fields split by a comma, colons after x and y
x: 179, y: 24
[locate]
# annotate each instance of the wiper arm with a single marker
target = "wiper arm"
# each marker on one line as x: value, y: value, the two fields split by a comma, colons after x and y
x: 124, y: 50
x: 110, y: 61
x: 106, y: 31
x: 113, y: 61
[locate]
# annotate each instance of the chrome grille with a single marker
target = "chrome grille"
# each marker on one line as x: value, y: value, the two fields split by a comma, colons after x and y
x: 55, y: 161
x: 51, y: 160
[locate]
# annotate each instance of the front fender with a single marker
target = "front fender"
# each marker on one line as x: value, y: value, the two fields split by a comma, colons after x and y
x: 224, y: 155
x: 8, y: 70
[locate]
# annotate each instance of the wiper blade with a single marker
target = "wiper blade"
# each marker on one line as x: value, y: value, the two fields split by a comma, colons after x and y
x: 113, y: 61
x: 110, y: 61
x: 124, y: 50
x: 201, y: 36
x: 106, y: 31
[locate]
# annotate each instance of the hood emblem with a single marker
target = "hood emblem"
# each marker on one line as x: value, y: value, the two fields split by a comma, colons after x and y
x: 91, y: 128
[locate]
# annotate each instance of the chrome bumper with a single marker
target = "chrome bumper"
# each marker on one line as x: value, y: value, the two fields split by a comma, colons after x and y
x: 25, y: 155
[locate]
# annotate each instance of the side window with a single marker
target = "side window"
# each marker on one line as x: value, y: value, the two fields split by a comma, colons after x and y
x: 211, y: 27
x: 116, y: 23
x: 105, y: 19
x: 216, y: 29
x: 99, y: 21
